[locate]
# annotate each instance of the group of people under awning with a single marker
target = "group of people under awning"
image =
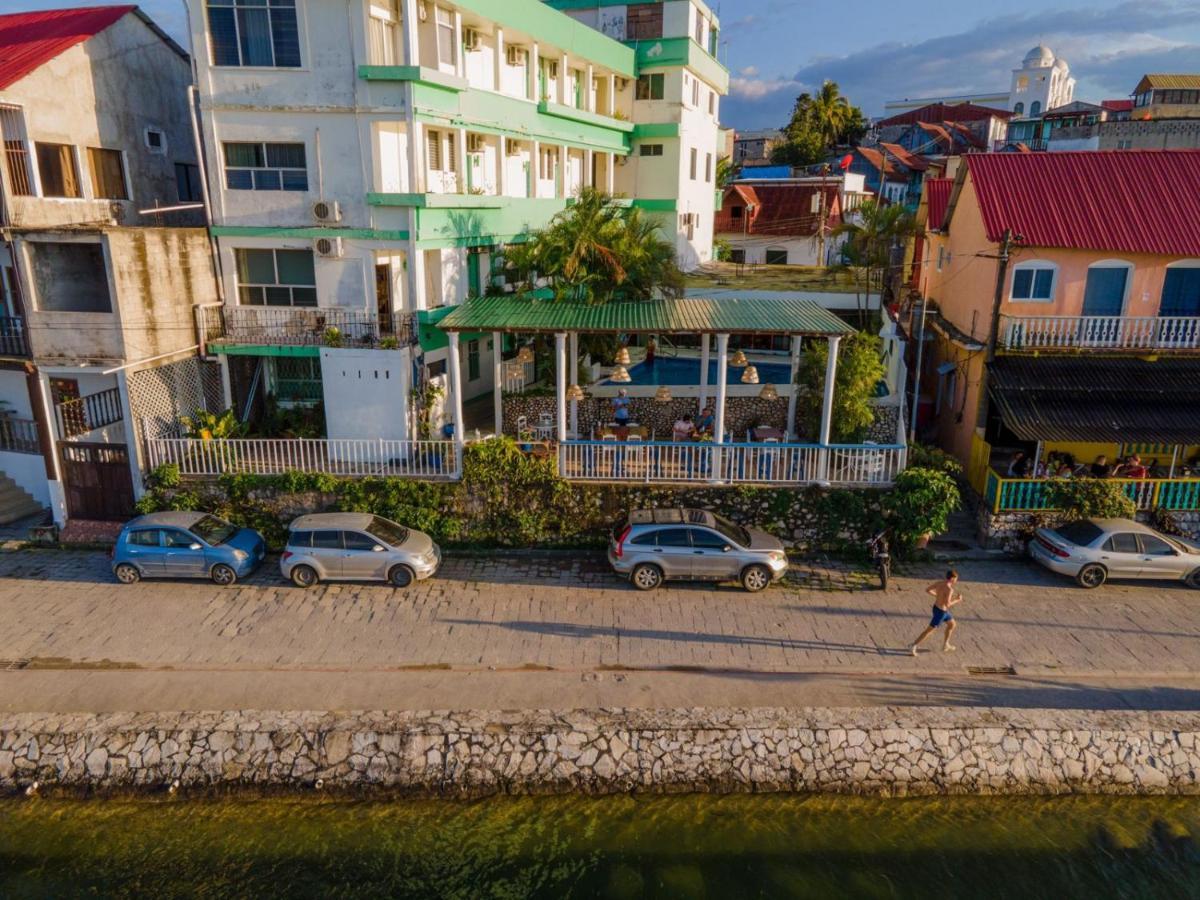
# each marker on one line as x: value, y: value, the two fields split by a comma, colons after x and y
x: 1064, y: 465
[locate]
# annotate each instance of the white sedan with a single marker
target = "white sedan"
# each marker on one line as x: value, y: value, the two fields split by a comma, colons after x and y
x: 1093, y: 550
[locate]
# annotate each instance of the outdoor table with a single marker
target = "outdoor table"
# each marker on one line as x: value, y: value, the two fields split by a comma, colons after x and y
x: 765, y: 433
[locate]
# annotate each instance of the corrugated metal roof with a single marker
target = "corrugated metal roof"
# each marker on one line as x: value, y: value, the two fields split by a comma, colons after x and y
x: 687, y: 315
x: 1168, y: 82
x: 784, y: 209
x: 1083, y: 398
x: 937, y: 192
x: 30, y: 39
x: 945, y: 112
x: 1133, y: 201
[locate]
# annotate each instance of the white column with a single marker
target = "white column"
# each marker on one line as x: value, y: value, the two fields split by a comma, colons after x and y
x: 722, y: 369
x: 535, y: 168
x: 704, y: 358
x: 830, y: 378
x: 533, y: 58
x: 409, y: 21
x: 560, y: 369
x: 459, y: 136
x: 564, y: 157
x: 416, y: 276
x: 612, y: 96
x: 794, y: 368
x: 564, y: 66
x: 456, y: 400
x: 501, y: 167
x: 416, y: 158
x: 574, y: 355
x: 610, y: 173
x: 498, y: 380
x: 226, y: 381
x: 589, y: 163
x: 55, y: 486
x: 498, y: 67
x: 460, y: 65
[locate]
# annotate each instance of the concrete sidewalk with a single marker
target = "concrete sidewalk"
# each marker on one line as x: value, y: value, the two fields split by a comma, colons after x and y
x: 524, y: 631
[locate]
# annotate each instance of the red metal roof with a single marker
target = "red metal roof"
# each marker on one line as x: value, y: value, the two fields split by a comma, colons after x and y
x: 1117, y: 105
x: 31, y: 39
x: 1132, y: 201
x: 937, y: 195
x: 779, y: 209
x: 905, y: 158
x: 942, y: 112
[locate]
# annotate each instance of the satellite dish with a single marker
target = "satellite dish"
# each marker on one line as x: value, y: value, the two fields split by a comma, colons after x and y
x: 845, y: 162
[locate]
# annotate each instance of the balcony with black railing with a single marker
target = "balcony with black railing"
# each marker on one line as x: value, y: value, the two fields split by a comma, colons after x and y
x: 14, y: 339
x: 306, y: 327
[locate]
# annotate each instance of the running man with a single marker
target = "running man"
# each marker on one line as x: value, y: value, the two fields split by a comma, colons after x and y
x: 943, y: 598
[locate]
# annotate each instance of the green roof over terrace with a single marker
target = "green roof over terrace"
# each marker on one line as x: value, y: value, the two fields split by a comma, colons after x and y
x: 687, y: 315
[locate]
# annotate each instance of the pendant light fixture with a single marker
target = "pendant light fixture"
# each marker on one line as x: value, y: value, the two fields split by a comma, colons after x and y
x: 575, y: 392
x: 768, y: 392
x: 738, y: 359
x: 620, y: 375
x: 750, y: 375
x: 622, y: 357
x: 663, y: 394
x: 525, y: 354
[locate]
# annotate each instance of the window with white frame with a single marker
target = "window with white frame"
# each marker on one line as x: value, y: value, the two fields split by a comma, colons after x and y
x: 254, y: 33
x: 383, y: 30
x: 255, y: 166
x: 276, y: 277
x: 445, y: 37
x: 1033, y: 282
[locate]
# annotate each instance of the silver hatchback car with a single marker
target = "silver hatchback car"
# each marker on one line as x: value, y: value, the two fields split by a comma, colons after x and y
x: 653, y: 545
x: 1093, y: 550
x: 356, y: 547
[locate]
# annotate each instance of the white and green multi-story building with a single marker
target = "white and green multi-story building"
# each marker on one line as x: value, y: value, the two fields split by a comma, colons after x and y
x: 367, y: 162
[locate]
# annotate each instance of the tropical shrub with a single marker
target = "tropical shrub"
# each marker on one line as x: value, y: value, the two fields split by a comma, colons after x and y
x: 921, y: 503
x: 860, y: 368
x: 1085, y: 498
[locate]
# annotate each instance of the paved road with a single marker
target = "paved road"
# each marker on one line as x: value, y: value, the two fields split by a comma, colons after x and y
x: 543, y: 632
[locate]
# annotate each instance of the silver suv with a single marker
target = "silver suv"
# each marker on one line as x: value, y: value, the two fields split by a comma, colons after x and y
x: 652, y: 545
x: 356, y: 547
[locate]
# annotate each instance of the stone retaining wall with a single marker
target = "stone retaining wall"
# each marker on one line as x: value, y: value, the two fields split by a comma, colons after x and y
x: 886, y: 751
x: 1011, y: 531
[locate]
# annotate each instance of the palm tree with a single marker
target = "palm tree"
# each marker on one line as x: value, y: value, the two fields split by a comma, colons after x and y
x: 726, y: 171
x: 595, y: 250
x: 869, y: 238
x: 831, y: 112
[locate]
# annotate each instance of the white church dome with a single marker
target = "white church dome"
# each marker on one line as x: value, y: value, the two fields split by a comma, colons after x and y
x: 1041, y: 55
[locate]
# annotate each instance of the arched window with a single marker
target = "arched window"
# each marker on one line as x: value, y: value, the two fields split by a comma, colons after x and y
x: 1181, y: 289
x: 1019, y: 109
x: 1033, y: 281
x: 1035, y: 107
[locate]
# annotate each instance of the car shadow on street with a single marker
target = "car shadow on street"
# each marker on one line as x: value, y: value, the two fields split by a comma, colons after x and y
x: 584, y: 632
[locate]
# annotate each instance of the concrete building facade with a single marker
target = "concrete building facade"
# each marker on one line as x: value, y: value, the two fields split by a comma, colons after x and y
x: 368, y: 165
x: 99, y: 289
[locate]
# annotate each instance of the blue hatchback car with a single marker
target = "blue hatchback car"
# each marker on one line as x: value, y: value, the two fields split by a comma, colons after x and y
x: 186, y: 545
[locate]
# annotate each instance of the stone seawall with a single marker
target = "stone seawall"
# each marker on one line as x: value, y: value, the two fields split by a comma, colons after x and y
x: 883, y: 751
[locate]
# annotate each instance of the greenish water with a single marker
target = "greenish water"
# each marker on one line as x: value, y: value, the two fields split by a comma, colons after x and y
x: 620, y: 847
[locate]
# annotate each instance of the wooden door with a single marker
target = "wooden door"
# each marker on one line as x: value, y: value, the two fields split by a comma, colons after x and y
x: 97, y: 480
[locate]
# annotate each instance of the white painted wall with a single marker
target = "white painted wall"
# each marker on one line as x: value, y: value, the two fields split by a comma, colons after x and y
x: 365, y: 393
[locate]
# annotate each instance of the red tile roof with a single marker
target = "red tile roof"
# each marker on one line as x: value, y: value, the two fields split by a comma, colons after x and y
x: 1130, y: 201
x: 941, y: 112
x: 937, y: 195
x: 31, y: 39
x: 780, y: 209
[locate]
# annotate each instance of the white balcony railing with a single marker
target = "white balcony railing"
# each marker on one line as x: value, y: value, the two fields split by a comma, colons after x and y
x: 435, y: 460
x: 757, y: 463
x: 1106, y: 332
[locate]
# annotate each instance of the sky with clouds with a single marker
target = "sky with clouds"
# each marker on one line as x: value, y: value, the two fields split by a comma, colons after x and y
x: 878, y: 50
x: 776, y: 49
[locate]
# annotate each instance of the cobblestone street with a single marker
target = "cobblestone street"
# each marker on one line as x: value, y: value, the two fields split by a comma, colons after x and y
x: 567, y: 618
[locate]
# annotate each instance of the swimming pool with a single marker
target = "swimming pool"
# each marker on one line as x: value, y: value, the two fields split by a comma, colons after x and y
x: 687, y: 371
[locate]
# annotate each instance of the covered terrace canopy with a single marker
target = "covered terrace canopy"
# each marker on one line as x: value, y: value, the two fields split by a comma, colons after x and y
x: 687, y: 315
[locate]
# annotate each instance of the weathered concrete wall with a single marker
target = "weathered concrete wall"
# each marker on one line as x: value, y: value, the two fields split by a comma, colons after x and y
x: 885, y: 751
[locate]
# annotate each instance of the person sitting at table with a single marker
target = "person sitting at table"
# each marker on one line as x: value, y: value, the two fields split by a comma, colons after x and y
x: 1135, y: 468
x: 1101, y: 468
x: 1019, y: 466
x: 620, y: 407
x: 708, y: 420
x: 684, y: 429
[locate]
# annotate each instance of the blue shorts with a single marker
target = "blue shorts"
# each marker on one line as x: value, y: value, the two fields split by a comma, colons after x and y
x: 939, y: 616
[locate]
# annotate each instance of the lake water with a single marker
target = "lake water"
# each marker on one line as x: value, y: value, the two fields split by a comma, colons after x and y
x: 699, y: 846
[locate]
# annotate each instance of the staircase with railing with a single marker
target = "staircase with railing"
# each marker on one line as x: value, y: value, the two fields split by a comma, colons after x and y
x: 83, y: 414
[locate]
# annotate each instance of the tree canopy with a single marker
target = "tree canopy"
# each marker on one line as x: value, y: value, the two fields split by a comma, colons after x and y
x: 597, y: 250
x: 819, y: 124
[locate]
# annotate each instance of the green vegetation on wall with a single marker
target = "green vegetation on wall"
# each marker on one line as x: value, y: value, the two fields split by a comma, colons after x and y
x: 509, y: 499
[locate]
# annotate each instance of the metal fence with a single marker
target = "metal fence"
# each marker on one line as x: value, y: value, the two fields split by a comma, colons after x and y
x: 305, y: 326
x: 756, y: 463
x: 19, y: 435
x: 330, y: 456
x: 1030, y: 494
x: 1103, y: 332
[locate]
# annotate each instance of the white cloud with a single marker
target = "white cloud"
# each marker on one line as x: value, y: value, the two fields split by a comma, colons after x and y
x: 758, y: 88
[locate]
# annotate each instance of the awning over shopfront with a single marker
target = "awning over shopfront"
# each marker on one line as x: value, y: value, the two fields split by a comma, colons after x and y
x: 1098, y: 399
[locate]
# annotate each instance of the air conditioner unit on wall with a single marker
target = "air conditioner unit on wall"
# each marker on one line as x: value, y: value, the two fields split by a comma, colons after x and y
x: 472, y: 39
x: 325, y: 212
x: 515, y: 54
x: 475, y: 143
x: 328, y: 247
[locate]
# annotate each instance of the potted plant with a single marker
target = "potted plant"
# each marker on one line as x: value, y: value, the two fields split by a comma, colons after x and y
x: 920, y: 505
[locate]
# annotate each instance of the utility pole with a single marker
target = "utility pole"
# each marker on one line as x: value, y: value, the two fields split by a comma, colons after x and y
x: 1001, y: 270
